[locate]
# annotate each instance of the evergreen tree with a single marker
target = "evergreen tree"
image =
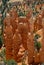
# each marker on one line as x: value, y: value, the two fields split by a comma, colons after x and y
x: 0, y: 42
x: 3, y: 8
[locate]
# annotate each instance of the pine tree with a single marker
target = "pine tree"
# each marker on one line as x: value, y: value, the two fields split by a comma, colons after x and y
x: 3, y: 9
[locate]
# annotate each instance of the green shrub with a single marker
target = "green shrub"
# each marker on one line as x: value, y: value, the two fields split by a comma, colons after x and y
x: 1, y: 42
x: 11, y: 62
x: 2, y: 53
x: 37, y: 36
x: 37, y: 45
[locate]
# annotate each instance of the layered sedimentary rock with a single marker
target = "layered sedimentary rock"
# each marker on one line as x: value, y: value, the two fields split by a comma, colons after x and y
x: 7, y: 18
x: 8, y: 34
x: 20, y: 31
x: 16, y: 45
x: 23, y: 30
x: 42, y: 49
x: 28, y: 16
x: 30, y: 45
x: 38, y: 23
x: 14, y: 19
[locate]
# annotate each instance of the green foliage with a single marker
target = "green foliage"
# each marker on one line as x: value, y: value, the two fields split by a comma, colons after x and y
x: 21, y: 13
x: 37, y: 36
x: 23, y: 62
x: 2, y: 53
x: 4, y: 1
x: 1, y: 42
x: 3, y: 56
x: 3, y: 7
x: 11, y: 62
x: 37, y: 45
